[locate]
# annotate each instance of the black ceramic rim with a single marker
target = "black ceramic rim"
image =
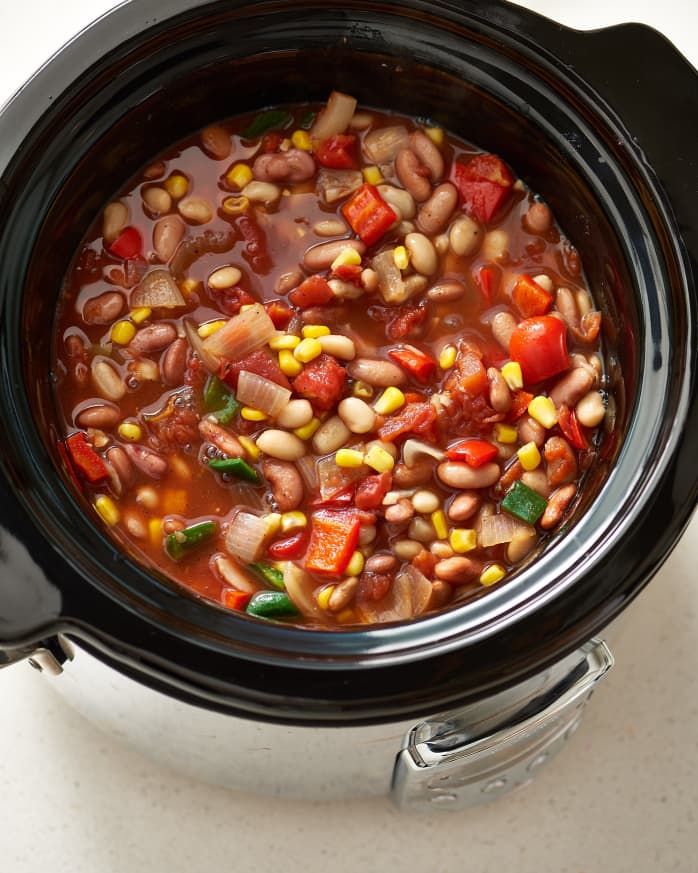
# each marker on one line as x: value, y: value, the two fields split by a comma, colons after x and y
x: 185, y: 635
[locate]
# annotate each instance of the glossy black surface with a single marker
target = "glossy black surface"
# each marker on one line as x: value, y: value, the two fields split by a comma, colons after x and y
x: 622, y: 182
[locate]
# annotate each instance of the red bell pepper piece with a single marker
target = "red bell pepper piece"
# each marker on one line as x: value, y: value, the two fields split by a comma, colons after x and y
x: 473, y: 452
x: 417, y: 363
x: 279, y: 312
x: 85, y: 459
x: 128, y: 244
x: 417, y: 418
x: 231, y: 598
x: 343, y: 497
x: 571, y: 428
x: 540, y: 346
x: 313, y: 291
x: 333, y: 541
x: 487, y: 280
x: 519, y: 404
x: 368, y: 214
x: 529, y: 298
x: 270, y: 143
x: 484, y: 183
x: 289, y: 548
x: 338, y: 152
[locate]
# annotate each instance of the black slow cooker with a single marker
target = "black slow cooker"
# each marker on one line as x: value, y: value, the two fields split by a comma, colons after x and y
x: 604, y: 125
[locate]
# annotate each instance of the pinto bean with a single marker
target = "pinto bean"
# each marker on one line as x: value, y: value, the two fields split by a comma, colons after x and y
x: 458, y: 475
x: 572, y: 387
x: 561, y: 463
x: 399, y: 512
x: 287, y: 282
x: 215, y: 141
x: 320, y: 257
x: 458, y: 570
x: 539, y: 218
x: 121, y: 463
x: 343, y: 594
x: 446, y: 291
x: 174, y: 362
x: 106, y: 379
x: 503, y: 325
x: 286, y: 483
x: 530, y: 431
x: 435, y: 213
x: 410, y: 171
x: 418, y: 474
x: 441, y: 550
x: 465, y: 236
x: 557, y: 504
x: 103, y: 416
x: 500, y: 395
x: 147, y: 461
x: 381, y: 563
x: 153, y: 338
x: 464, y: 506
x: 167, y: 235
x: 103, y: 309
x: 114, y: 220
x: 221, y: 438
x: 422, y: 253
x: 379, y: 373
x: 295, y: 165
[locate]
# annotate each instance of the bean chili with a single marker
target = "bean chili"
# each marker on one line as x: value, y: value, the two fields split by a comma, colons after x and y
x: 329, y: 367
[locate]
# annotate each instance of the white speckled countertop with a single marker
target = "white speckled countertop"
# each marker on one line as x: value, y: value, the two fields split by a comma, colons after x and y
x: 623, y: 797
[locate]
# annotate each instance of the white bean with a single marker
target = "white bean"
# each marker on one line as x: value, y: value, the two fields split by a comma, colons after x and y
x: 465, y: 236
x: 407, y: 549
x: 458, y: 475
x: 296, y: 413
x: 262, y: 192
x: 114, y: 221
x: 590, y: 410
x: 495, y: 245
x: 320, y: 257
x: 400, y: 200
x: 167, y: 235
x: 330, y: 227
x: 198, y: 210
x: 545, y: 282
x: 422, y: 253
x: 357, y: 415
x: 281, y: 444
x: 330, y: 436
x: 224, y: 277
x: 425, y: 502
x: 341, y: 347
x: 157, y: 200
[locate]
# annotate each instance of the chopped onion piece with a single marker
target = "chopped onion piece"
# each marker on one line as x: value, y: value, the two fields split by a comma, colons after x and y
x: 390, y: 282
x: 261, y: 394
x: 242, y: 334
x: 245, y: 536
x: 335, y: 117
x: 414, y: 448
x: 333, y: 478
x: 382, y: 145
x: 501, y: 528
x: 300, y: 588
x: 209, y: 361
x: 336, y: 184
x: 307, y: 467
x: 157, y: 290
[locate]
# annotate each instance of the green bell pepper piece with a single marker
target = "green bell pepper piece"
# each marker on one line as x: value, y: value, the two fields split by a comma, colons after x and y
x: 237, y: 467
x: 180, y: 543
x: 270, y: 575
x: 307, y: 121
x: 220, y: 400
x: 524, y: 503
x: 271, y: 604
x: 272, y: 119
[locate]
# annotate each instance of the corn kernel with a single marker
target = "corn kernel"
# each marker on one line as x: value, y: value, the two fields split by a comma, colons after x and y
x: 307, y: 350
x: 288, y: 364
x: 238, y: 176
x: 390, y: 401
x: 293, y: 521
x: 250, y: 414
x: 529, y: 456
x: 438, y: 519
x: 362, y: 389
x: 355, y: 565
x: 494, y: 573
x: 308, y: 430
x: 372, y: 175
x: 250, y: 448
x: 108, y: 510
x: 401, y: 257
x: 129, y: 430
x: 315, y: 330
x: 462, y: 539
x: 301, y: 140
x: 284, y: 341
x: 435, y: 134
x: 236, y: 205
x: 543, y: 410
x: 379, y: 460
x: 189, y: 286
x: 272, y: 524
x: 349, y: 458
x: 447, y: 357
x: 155, y: 531
x: 347, y: 257
x: 210, y: 327
x: 122, y: 333
x: 323, y: 597
x: 513, y: 375
x: 174, y: 501
x: 505, y: 433
x: 346, y: 616
x: 142, y: 313
x: 177, y: 186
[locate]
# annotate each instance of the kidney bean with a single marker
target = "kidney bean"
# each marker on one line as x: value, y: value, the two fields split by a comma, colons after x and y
x: 106, y: 379
x: 410, y: 172
x: 418, y: 474
x: 102, y: 415
x: 422, y: 253
x: 174, y: 363
x: 215, y: 141
x: 405, y: 550
x: 446, y: 291
x: 103, y: 309
x: 465, y: 236
x: 286, y: 483
x: 441, y: 550
x: 320, y: 257
x: 539, y: 218
x: 155, y: 170
x: 399, y: 512
x: 147, y: 461
x: 503, y: 325
x: 287, y: 282
x: 530, y: 431
x: 294, y: 165
x: 512, y: 473
x: 458, y: 475
x: 458, y: 570
x: 437, y: 210
x: 221, y: 438
x: 401, y: 201
x: 379, y: 373
x: 464, y: 506
x: 153, y: 338
x: 115, y: 219
x: 381, y: 563
x: 572, y: 387
x: 561, y: 462
x: 500, y: 395
x: 121, y: 463
x: 343, y: 594
x: 557, y: 504
x: 167, y: 235
x: 428, y: 153
x: 382, y: 145
x: 589, y: 328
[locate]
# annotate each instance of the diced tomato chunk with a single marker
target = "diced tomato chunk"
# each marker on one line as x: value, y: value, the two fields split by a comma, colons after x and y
x: 259, y: 362
x: 338, y: 152
x: 529, y: 298
x: 279, y: 312
x: 469, y: 374
x: 270, y: 143
x: 289, y: 548
x: 368, y: 214
x: 231, y: 300
x: 487, y: 280
x: 231, y: 598
x: 372, y: 490
x: 313, y: 291
x: 519, y: 404
x: 128, y: 244
x: 540, y: 346
x: 333, y: 540
x: 417, y: 418
x: 417, y: 363
x: 425, y: 562
x: 342, y: 497
x: 406, y: 322
x: 321, y: 382
x: 473, y: 452
x: 571, y: 428
x: 484, y: 183
x: 255, y: 238
x: 85, y: 459
x: 348, y: 272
